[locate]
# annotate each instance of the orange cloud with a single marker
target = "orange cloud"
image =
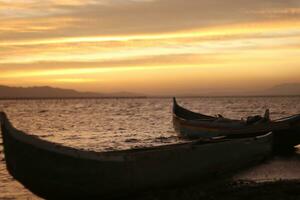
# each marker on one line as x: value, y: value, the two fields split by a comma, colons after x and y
x: 135, y: 44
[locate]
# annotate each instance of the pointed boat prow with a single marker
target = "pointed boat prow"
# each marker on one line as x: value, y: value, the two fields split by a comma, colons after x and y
x: 174, y: 101
x: 2, y: 114
x: 3, y: 118
x: 267, y: 115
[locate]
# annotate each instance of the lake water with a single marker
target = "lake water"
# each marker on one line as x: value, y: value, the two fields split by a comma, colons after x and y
x: 111, y: 124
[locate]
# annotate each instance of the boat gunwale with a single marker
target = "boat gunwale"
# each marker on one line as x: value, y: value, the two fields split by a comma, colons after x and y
x: 117, y: 155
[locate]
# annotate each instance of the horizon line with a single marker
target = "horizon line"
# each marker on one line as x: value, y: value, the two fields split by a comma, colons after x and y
x: 145, y: 97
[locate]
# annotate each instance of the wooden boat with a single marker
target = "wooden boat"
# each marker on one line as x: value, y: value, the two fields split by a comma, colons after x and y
x: 189, y: 124
x: 53, y: 171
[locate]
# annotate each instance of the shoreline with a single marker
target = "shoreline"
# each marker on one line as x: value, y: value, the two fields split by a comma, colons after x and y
x: 228, y: 190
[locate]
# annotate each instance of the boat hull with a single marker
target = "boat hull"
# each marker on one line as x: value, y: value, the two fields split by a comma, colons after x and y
x: 287, y: 139
x: 187, y: 124
x: 56, y: 172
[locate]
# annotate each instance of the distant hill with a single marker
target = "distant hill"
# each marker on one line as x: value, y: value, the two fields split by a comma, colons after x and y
x: 7, y: 92
x: 289, y: 89
x: 51, y: 92
x: 284, y: 89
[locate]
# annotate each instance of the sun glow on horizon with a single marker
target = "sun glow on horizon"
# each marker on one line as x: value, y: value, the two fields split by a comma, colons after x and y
x: 242, y: 49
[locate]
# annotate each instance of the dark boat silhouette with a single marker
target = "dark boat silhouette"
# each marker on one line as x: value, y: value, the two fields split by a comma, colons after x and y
x: 54, y: 171
x: 189, y: 124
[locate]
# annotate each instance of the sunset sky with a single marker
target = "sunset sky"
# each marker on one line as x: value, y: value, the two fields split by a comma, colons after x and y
x: 150, y: 46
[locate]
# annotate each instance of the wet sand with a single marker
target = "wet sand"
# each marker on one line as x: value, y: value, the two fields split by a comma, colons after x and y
x: 281, y: 190
x: 283, y: 167
x: 276, y: 178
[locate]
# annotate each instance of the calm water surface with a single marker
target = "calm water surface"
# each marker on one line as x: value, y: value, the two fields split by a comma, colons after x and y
x: 110, y: 124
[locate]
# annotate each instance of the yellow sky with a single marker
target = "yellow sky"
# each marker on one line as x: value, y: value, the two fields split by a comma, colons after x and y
x: 150, y: 46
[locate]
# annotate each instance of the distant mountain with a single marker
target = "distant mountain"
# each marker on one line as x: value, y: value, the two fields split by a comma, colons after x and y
x: 290, y: 89
x: 284, y: 89
x: 7, y: 92
x: 50, y: 92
